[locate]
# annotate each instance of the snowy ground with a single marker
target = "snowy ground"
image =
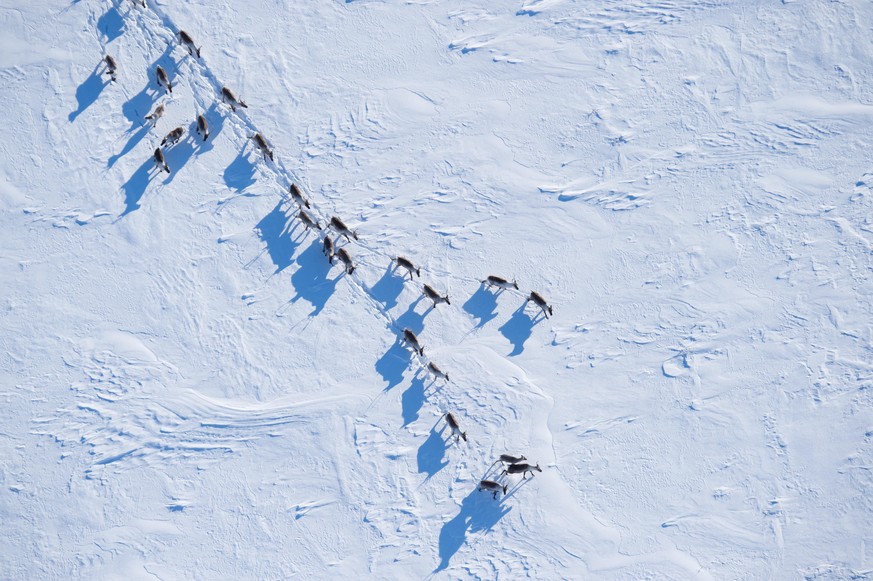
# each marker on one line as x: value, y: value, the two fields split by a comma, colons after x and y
x: 190, y: 390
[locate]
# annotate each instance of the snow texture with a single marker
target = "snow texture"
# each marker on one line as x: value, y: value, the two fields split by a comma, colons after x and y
x: 192, y: 391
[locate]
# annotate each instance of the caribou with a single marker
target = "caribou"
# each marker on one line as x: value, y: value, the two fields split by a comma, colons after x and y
x: 492, y: 486
x: 262, y: 145
x: 297, y: 196
x: 508, y: 459
x: 346, y: 259
x: 328, y: 249
x: 456, y: 428
x: 111, y: 67
x: 438, y: 373
x: 499, y: 282
x: 173, y: 137
x: 159, y: 160
x: 203, y: 127
x: 156, y: 114
x: 228, y: 97
x: 308, y: 221
x: 430, y: 293
x: 186, y: 41
x: 539, y: 301
x: 163, y: 79
x: 522, y: 469
x: 407, y: 264
x: 410, y: 338
x: 342, y: 229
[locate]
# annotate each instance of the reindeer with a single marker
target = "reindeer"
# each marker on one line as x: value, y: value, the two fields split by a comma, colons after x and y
x: 140, y: 3
x: 297, y: 196
x: 407, y: 264
x: 342, y: 229
x: 328, y: 249
x: 164, y: 80
x: 438, y: 373
x: 410, y: 338
x: 203, y: 127
x: 346, y: 259
x: 522, y: 469
x: 492, y: 486
x: 111, y: 67
x: 507, y: 459
x: 228, y: 97
x: 430, y: 293
x: 159, y: 160
x: 499, y: 282
x: 187, y: 42
x: 173, y: 137
x: 308, y: 221
x: 262, y: 145
x: 456, y: 429
x: 540, y: 302
x: 156, y: 114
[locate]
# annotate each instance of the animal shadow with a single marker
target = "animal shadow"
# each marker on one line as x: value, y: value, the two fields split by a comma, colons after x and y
x: 413, y: 399
x: 388, y: 288
x: 88, y: 91
x: 135, y: 187
x: 275, y: 231
x: 240, y: 174
x: 482, y: 305
x: 431, y: 454
x: 394, y: 363
x: 111, y: 24
x: 479, y: 512
x: 137, y: 107
x: 411, y: 319
x: 177, y: 156
x: 310, y: 280
x: 518, y: 329
x: 131, y: 143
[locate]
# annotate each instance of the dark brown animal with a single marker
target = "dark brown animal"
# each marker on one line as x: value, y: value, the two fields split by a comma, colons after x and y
x: 410, y: 338
x: 492, y: 486
x: 522, y: 469
x: 228, y: 97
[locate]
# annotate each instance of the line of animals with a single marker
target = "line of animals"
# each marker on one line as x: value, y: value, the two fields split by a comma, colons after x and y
x: 331, y: 249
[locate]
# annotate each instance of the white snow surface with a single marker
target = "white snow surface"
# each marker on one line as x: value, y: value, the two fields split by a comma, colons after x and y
x: 191, y: 391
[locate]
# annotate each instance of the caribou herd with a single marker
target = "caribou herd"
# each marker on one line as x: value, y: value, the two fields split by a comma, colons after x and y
x: 512, y: 464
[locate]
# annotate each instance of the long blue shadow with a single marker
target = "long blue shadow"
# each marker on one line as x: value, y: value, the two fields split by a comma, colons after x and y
x: 111, y: 24
x: 482, y: 305
x: 136, y: 186
x: 240, y: 174
x: 310, y: 280
x: 517, y: 329
x: 137, y: 107
x: 274, y: 231
x: 177, y: 156
x: 479, y: 512
x: 411, y: 319
x: 412, y: 400
x: 216, y: 124
x: 87, y: 92
x: 431, y: 454
x: 394, y: 363
x: 388, y: 288
x: 131, y: 143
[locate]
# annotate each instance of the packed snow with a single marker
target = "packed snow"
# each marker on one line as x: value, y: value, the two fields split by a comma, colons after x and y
x: 191, y: 390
